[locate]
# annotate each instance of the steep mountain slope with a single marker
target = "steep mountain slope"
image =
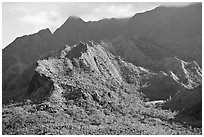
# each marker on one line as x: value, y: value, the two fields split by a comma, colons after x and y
x: 187, y: 73
x: 177, y: 75
x: 20, y: 56
x: 174, y: 29
x: 178, y: 30
x: 148, y: 52
x: 188, y: 100
x: 162, y: 23
x: 75, y: 30
x: 168, y: 23
x: 84, y: 89
x: 141, y: 51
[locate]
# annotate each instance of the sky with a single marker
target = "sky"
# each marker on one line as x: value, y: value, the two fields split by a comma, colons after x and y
x: 23, y: 18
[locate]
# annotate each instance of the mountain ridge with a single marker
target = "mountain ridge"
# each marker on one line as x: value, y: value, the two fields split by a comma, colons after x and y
x: 110, y: 73
x: 88, y: 84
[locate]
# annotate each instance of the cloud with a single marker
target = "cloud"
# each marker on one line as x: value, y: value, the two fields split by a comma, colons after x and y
x: 43, y: 19
x: 175, y: 4
x: 52, y: 15
x: 114, y: 10
x: 99, y: 11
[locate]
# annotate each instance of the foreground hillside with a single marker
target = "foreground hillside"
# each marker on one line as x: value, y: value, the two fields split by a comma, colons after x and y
x: 84, y: 89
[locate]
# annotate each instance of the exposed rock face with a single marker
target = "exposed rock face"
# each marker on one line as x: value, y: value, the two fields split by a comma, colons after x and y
x: 88, y: 58
x: 187, y: 74
x: 93, y: 59
x: 174, y: 75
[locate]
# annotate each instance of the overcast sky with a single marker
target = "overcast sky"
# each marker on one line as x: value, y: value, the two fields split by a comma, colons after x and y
x: 26, y: 18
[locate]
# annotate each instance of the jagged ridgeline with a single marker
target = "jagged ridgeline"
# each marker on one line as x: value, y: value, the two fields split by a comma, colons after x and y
x: 138, y: 75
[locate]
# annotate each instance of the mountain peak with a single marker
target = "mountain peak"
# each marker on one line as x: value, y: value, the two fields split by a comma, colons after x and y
x: 74, y: 19
x: 45, y: 32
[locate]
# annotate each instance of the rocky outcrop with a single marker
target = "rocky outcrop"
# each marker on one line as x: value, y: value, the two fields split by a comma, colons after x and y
x: 187, y: 74
x: 175, y: 75
x: 171, y: 73
x: 92, y: 59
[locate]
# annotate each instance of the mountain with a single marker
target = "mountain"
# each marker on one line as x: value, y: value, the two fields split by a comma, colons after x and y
x: 141, y: 51
x: 19, y: 57
x: 187, y: 73
x: 168, y: 23
x: 75, y: 29
x: 174, y: 29
x: 92, y: 91
x: 188, y: 100
x: 107, y: 76
x: 174, y: 75
x: 88, y: 64
x: 140, y: 48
